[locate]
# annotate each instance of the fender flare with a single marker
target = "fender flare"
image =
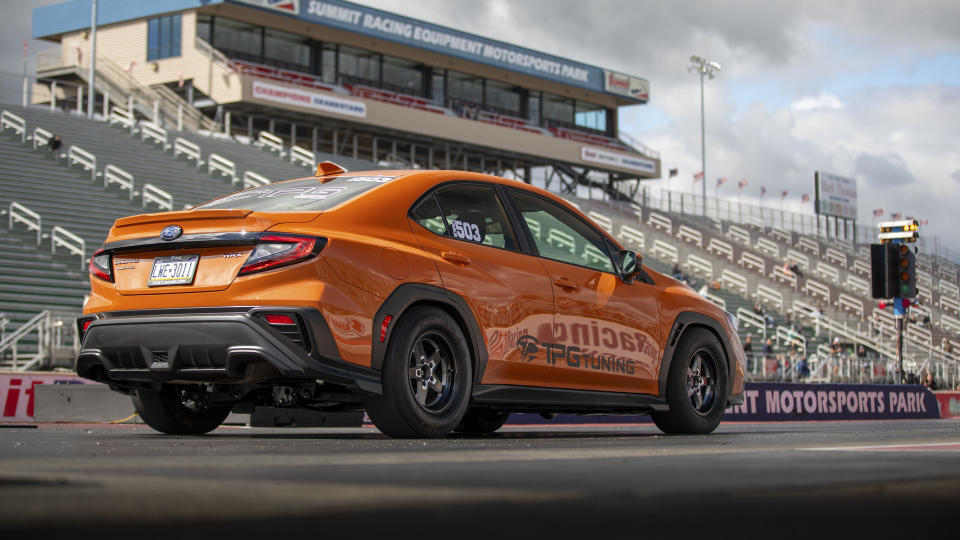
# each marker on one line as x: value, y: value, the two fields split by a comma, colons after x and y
x: 408, y: 294
x: 681, y: 324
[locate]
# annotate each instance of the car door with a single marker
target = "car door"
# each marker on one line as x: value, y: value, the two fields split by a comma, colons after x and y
x: 479, y: 257
x: 604, y: 329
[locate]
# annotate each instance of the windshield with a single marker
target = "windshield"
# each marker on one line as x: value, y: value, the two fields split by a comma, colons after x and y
x: 303, y: 195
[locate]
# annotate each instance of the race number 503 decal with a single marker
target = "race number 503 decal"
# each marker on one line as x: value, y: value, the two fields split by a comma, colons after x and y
x: 465, y: 231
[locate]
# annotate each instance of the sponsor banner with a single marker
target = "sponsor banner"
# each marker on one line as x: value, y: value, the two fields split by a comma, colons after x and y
x: 17, y: 392
x: 310, y: 100
x: 616, y: 159
x: 949, y: 403
x: 626, y: 85
x: 285, y: 6
x: 836, y: 195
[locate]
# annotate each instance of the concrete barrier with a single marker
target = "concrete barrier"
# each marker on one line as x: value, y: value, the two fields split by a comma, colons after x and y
x: 82, y: 403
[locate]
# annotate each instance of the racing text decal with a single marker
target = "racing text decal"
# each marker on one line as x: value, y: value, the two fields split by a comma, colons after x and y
x: 531, y: 348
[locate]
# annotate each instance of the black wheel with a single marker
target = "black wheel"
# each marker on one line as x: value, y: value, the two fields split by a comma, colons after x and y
x: 426, y: 377
x: 172, y: 411
x: 696, y: 386
x: 482, y: 421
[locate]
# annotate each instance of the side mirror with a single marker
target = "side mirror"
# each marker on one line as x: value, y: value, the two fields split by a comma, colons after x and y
x: 631, y: 264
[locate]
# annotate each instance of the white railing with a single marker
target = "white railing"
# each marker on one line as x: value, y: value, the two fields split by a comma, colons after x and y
x: 861, y: 267
x: 187, y: 148
x: 769, y: 296
x: 749, y: 260
x: 799, y: 258
x: 302, y: 156
x: 41, y: 137
x: 885, y: 319
x: 836, y: 257
x: 850, y: 303
x: 14, y: 122
x: 666, y: 251
x: 924, y: 278
x: 943, y: 272
x: 700, y: 266
x: 802, y: 309
x: 949, y: 289
x: 788, y: 336
x: 781, y: 235
x: 271, y: 142
x: 739, y: 234
x: 161, y: 198
x: 748, y: 318
x: 149, y: 130
x: 733, y: 280
x: 660, y: 221
x: 828, y: 272
x: 216, y: 162
x: 121, y: 116
x: 754, y: 221
x: 602, y: 221
x: 919, y: 335
x: 562, y: 240
x: 716, y: 300
x: 779, y: 273
x: 252, y: 180
x: 60, y: 237
x: 769, y: 247
x: 593, y: 254
x: 633, y: 237
x: 21, y: 214
x: 52, y: 332
x: 807, y: 244
x: 923, y: 294
x: 12, y: 342
x: 815, y: 288
x: 78, y: 155
x: 691, y: 235
x: 720, y: 248
x: 950, y: 324
x: 115, y: 175
x: 857, y: 285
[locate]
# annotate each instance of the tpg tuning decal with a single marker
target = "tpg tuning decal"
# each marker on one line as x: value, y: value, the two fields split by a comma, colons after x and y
x: 531, y: 349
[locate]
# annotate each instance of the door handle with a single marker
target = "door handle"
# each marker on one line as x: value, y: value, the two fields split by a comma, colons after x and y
x: 566, y: 284
x: 455, y: 258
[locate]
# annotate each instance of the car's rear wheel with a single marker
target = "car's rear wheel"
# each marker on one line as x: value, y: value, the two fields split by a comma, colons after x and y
x: 696, y: 386
x: 172, y: 410
x: 426, y: 377
x: 482, y: 421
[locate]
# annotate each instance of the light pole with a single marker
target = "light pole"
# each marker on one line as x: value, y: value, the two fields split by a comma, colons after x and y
x: 710, y: 69
x: 91, y: 92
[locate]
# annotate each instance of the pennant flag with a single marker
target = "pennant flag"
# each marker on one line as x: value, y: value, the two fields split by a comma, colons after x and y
x: 673, y: 172
x: 878, y: 212
x: 804, y: 198
x: 924, y: 222
x: 784, y: 194
x: 895, y: 215
x: 742, y: 184
x: 763, y: 190
x: 720, y: 181
x: 698, y: 177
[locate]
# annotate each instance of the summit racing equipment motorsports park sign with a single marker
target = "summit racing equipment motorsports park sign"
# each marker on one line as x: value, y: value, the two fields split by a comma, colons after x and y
x: 785, y: 401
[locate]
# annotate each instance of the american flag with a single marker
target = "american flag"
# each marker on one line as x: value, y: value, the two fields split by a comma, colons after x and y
x: 805, y: 198
x: 698, y: 177
x: 742, y: 184
x: 720, y: 181
x: 878, y: 212
x: 784, y: 194
x: 895, y: 215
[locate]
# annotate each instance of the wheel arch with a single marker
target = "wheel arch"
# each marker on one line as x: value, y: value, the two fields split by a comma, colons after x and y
x: 411, y: 295
x: 681, y: 325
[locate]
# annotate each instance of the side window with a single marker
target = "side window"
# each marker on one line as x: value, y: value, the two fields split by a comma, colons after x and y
x: 561, y: 235
x: 467, y: 212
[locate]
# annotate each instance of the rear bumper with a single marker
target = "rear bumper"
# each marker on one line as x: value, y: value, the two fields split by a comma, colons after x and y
x: 213, y: 345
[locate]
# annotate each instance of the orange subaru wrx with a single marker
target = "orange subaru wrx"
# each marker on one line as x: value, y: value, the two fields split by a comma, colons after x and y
x: 437, y: 301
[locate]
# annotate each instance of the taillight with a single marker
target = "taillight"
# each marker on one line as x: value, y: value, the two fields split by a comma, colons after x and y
x: 100, y: 266
x: 289, y: 326
x: 275, y: 250
x: 83, y: 323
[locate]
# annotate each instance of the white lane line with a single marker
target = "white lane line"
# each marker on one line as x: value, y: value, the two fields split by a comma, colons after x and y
x: 940, y: 447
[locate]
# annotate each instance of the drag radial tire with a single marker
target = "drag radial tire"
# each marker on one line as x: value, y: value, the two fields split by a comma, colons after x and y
x: 482, y: 421
x: 167, y: 412
x: 426, y: 377
x: 696, y: 386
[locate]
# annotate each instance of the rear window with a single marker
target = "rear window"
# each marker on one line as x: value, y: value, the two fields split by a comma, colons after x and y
x: 304, y: 195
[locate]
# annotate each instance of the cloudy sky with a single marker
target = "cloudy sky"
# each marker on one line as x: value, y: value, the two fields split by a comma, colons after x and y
x: 866, y: 89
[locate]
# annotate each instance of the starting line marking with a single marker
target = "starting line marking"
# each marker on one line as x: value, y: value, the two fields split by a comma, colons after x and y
x: 924, y: 447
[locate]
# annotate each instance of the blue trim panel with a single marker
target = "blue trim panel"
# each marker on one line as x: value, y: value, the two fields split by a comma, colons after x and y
x: 75, y: 14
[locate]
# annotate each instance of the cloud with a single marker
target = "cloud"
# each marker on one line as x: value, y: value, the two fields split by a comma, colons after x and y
x: 883, y: 171
x: 823, y: 101
x: 956, y: 176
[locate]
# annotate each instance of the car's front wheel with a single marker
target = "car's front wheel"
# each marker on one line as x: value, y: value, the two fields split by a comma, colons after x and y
x: 173, y: 410
x: 696, y: 386
x: 426, y: 377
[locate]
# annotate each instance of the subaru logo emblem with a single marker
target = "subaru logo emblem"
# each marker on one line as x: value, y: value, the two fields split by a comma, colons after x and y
x: 171, y: 232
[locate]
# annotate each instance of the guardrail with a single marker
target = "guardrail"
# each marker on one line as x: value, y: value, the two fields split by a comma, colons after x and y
x: 602, y: 221
x: 799, y: 258
x: 666, y: 251
x: 661, y: 222
x: 302, y: 156
x: 861, y: 266
x: 950, y: 289
x: 804, y: 310
x: 21, y: 214
x: 720, y: 248
x: 781, y: 235
x: 815, y: 288
x: 923, y: 294
x: 115, y: 175
x: 700, y: 266
x: 12, y: 341
x: 739, y: 234
x: 918, y: 334
x: 216, y: 162
x: 857, y: 285
x: 807, y: 244
x: 747, y: 318
x: 161, y: 198
x: 60, y: 237
x: 836, y: 257
x: 691, y: 235
x: 924, y: 278
x: 754, y: 221
x: 187, y: 148
x: 769, y: 247
x: 271, y: 142
x: 121, y: 116
x: 948, y: 323
x: 14, y: 122
x: 790, y: 337
x: 827, y: 272
x: 781, y: 274
x: 41, y: 137
x: 716, y: 300
x: 252, y: 180
x: 733, y: 280
x: 770, y: 296
x: 749, y: 260
x: 562, y: 240
x: 78, y: 155
x: 632, y: 236
x: 850, y: 303
x: 149, y: 130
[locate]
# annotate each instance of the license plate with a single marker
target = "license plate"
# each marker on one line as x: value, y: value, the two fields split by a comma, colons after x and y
x: 173, y: 270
